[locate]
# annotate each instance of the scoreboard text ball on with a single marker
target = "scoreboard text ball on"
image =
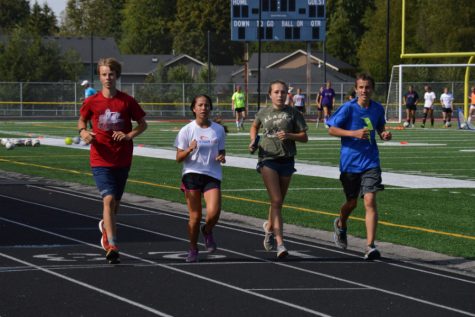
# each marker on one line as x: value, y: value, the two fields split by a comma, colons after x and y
x: 281, y: 20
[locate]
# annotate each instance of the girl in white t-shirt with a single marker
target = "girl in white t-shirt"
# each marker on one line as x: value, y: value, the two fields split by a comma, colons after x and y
x: 429, y: 98
x: 200, y: 146
x: 447, y: 100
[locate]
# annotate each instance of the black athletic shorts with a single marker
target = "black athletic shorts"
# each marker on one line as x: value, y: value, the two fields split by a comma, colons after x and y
x: 199, y: 182
x: 358, y: 184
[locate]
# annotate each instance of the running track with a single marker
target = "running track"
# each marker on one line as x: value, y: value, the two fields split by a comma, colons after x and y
x: 51, y: 264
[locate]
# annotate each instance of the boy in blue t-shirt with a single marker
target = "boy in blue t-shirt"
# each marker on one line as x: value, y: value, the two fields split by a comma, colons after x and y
x: 357, y: 122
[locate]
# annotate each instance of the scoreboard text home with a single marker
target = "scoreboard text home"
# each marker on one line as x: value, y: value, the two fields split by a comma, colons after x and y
x: 281, y: 20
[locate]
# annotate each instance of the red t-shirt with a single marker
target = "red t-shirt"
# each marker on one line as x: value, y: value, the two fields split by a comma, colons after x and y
x: 108, y: 115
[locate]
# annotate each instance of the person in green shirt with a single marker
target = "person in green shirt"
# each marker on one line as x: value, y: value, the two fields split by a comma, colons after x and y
x: 239, y: 107
x: 281, y: 125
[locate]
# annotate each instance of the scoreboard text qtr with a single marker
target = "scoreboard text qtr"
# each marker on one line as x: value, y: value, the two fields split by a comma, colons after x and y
x: 281, y: 20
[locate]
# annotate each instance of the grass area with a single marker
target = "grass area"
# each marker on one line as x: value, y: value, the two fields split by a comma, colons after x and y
x: 440, y: 220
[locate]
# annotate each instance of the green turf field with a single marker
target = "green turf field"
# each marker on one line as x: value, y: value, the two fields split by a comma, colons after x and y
x: 441, y: 220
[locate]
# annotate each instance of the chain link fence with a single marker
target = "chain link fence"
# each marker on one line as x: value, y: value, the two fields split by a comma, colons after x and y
x: 23, y: 100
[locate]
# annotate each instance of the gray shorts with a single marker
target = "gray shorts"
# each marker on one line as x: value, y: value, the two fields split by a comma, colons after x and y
x: 358, y: 184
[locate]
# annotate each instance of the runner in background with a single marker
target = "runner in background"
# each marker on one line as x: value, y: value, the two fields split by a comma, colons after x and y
x: 328, y: 101
x: 238, y: 102
x: 299, y: 101
x: 446, y: 100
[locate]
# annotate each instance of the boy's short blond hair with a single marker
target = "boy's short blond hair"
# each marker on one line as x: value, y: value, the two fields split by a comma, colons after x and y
x: 112, y: 63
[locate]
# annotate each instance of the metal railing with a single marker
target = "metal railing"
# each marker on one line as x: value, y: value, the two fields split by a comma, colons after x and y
x: 170, y: 100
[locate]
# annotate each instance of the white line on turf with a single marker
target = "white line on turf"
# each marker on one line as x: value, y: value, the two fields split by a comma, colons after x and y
x: 393, y: 179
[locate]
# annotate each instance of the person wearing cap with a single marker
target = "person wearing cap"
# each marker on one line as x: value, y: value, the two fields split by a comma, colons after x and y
x: 88, y: 90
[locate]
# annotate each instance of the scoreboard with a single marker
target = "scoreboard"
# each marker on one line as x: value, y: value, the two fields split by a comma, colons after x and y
x: 281, y: 20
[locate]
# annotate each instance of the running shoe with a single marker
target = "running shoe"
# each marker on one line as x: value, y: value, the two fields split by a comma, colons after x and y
x: 192, y: 256
x: 282, y: 251
x: 268, y: 237
x: 339, y: 235
x: 104, y: 241
x: 210, y: 244
x: 112, y: 255
x: 372, y: 253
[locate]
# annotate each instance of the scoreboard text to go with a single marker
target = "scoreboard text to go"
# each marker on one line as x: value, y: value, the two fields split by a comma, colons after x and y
x: 281, y: 20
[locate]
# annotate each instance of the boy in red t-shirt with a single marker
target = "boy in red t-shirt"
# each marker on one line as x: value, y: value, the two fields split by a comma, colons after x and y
x: 111, y: 112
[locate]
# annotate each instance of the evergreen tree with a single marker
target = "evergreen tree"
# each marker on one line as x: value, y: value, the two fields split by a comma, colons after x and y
x: 146, y: 27
x: 193, y: 21
x: 372, y: 50
x: 345, y: 28
x: 13, y: 13
x: 27, y: 58
x: 97, y: 17
x: 42, y: 20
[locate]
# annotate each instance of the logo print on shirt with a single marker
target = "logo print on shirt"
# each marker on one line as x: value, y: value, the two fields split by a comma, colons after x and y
x: 110, y: 121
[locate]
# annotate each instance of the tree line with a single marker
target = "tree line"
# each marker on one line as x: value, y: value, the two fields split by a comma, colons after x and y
x: 356, y: 33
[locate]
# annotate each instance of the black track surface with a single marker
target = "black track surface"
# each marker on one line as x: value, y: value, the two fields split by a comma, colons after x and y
x: 51, y: 264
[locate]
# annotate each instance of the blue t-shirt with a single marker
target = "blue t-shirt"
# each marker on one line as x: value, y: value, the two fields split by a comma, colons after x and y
x: 89, y: 92
x: 358, y: 155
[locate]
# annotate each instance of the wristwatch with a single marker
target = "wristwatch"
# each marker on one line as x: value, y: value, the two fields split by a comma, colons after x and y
x: 79, y: 131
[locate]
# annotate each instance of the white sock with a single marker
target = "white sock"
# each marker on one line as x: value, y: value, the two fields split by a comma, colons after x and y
x: 111, y: 240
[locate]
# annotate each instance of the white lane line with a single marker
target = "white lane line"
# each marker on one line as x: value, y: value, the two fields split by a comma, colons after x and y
x: 276, y: 263
x: 242, y: 290
x: 243, y: 230
x: 310, y: 289
x: 91, y: 287
x: 220, y: 225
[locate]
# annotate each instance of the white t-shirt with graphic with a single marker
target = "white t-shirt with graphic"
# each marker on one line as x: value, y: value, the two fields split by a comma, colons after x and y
x: 429, y: 98
x: 210, y: 141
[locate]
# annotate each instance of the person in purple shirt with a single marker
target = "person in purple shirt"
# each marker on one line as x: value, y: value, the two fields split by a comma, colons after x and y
x: 328, y: 101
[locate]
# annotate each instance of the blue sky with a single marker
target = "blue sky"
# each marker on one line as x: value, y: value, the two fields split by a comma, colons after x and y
x: 56, y: 5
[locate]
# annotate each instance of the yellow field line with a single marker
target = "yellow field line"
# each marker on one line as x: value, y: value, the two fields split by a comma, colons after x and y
x: 384, y: 223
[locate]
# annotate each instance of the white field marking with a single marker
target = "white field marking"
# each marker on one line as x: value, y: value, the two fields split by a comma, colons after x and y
x: 239, y: 289
x: 241, y: 230
x: 309, y: 289
x: 265, y: 261
x: 394, y: 179
x: 325, y: 138
x: 299, y: 188
x: 467, y: 150
x: 91, y: 287
x: 403, y: 143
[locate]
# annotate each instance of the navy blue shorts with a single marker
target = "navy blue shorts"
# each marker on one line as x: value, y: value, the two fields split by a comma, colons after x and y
x: 111, y: 181
x: 358, y: 184
x: 283, y: 166
x: 199, y: 182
